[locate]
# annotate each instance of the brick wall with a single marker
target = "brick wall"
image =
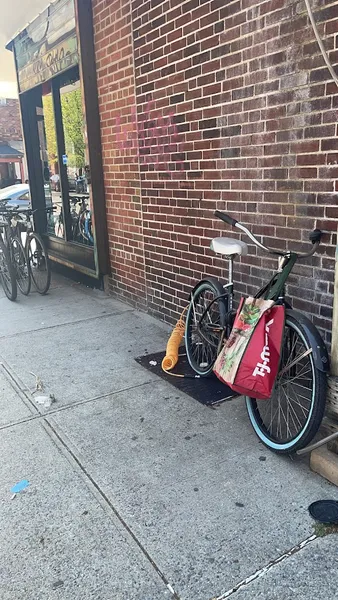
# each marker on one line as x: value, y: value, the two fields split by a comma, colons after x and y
x: 225, y: 105
x: 10, y: 124
x: 117, y: 104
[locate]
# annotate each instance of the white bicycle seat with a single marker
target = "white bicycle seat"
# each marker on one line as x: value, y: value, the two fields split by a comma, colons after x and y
x: 228, y: 246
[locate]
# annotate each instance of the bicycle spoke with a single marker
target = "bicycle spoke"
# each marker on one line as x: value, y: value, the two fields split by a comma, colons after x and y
x: 293, y: 401
x: 286, y: 420
x: 204, y: 332
x: 289, y: 405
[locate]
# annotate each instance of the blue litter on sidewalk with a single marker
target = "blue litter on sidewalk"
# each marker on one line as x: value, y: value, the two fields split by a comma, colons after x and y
x: 20, y: 486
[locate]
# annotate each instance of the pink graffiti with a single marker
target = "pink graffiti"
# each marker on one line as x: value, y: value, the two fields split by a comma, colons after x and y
x: 152, y: 136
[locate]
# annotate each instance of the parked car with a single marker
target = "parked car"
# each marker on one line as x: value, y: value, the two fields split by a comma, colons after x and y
x: 17, y: 195
x: 71, y: 184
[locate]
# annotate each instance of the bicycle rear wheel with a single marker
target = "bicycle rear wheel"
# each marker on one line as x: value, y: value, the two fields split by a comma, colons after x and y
x: 204, y: 325
x: 20, y: 263
x: 289, y: 420
x: 7, y: 273
x: 38, y: 262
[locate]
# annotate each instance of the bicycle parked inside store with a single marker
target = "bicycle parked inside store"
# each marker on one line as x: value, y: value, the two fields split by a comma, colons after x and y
x: 290, y: 418
x: 81, y: 220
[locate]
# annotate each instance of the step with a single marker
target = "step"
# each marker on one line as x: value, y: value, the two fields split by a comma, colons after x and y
x: 325, y: 463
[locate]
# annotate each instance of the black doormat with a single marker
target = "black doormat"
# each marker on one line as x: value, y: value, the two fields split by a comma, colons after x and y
x: 207, y: 390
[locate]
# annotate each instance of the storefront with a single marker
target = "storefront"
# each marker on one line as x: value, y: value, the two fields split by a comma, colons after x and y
x: 55, y: 66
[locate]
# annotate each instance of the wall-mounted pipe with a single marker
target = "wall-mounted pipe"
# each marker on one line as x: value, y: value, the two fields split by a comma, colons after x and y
x: 320, y: 42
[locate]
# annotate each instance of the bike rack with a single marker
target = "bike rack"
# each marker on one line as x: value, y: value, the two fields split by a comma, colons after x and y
x: 325, y: 440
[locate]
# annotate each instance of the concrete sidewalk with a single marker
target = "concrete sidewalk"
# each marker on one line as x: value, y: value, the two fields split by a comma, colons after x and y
x: 137, y: 492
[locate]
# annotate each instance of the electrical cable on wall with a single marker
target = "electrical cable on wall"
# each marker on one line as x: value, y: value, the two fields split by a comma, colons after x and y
x: 320, y: 43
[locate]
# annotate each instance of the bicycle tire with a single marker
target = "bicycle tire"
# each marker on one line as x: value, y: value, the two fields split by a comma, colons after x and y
x: 81, y: 225
x: 88, y: 228
x: 202, y: 350
x: 314, y: 397
x: 76, y: 229
x: 7, y: 273
x: 38, y: 262
x: 20, y: 263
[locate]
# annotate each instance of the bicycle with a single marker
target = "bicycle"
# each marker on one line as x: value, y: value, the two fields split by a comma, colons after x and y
x: 13, y: 247
x: 37, y: 254
x: 7, y: 273
x: 57, y: 225
x: 291, y: 417
x: 82, y: 223
x: 35, y: 251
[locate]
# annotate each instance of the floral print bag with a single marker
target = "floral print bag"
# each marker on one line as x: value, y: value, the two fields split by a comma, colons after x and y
x: 248, y: 362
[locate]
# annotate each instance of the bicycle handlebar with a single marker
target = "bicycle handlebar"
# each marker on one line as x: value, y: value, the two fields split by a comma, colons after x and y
x: 225, y: 218
x: 16, y: 210
x: 315, y: 236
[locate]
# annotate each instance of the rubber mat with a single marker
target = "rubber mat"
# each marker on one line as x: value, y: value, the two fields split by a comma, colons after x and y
x: 207, y: 390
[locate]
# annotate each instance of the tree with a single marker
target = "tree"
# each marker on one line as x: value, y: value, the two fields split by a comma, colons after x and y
x: 73, y: 126
x: 48, y: 113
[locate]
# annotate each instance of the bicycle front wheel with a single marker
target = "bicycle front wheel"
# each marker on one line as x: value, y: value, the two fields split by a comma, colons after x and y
x: 205, y: 322
x: 20, y: 263
x: 38, y: 263
x: 289, y: 420
x: 7, y: 273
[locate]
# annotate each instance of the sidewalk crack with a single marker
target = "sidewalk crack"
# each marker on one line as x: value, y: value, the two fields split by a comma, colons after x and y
x: 53, y: 433
x: 267, y: 568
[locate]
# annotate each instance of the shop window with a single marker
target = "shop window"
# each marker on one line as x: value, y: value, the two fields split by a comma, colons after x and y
x: 74, y: 162
x: 62, y: 152
x: 50, y: 163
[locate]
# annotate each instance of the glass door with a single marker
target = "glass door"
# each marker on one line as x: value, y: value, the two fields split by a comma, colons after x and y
x: 73, y: 160
x: 61, y: 134
x: 50, y: 163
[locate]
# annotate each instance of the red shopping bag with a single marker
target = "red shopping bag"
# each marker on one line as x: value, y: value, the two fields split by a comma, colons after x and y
x: 249, y: 361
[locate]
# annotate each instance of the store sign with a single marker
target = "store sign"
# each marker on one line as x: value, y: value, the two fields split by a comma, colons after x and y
x: 48, y: 45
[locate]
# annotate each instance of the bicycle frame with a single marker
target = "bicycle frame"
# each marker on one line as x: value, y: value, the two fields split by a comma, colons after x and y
x: 10, y: 229
x: 273, y: 290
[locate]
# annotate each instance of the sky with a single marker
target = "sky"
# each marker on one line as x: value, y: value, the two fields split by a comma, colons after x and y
x: 15, y: 14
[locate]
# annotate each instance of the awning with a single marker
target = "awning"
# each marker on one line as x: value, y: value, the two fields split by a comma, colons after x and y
x: 9, y: 152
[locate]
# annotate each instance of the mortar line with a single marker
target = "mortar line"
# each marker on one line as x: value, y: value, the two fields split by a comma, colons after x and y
x: 74, y: 322
x: 60, y: 441
x: 294, y: 550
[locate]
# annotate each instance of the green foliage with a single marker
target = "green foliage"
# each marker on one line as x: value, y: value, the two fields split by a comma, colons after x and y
x: 48, y: 113
x: 71, y: 106
x: 321, y: 529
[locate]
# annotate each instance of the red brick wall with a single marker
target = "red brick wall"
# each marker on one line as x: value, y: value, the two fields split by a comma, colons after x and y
x: 236, y: 111
x: 10, y: 124
x: 117, y: 104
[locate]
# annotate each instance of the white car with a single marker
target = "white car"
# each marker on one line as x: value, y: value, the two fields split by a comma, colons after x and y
x: 17, y: 195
